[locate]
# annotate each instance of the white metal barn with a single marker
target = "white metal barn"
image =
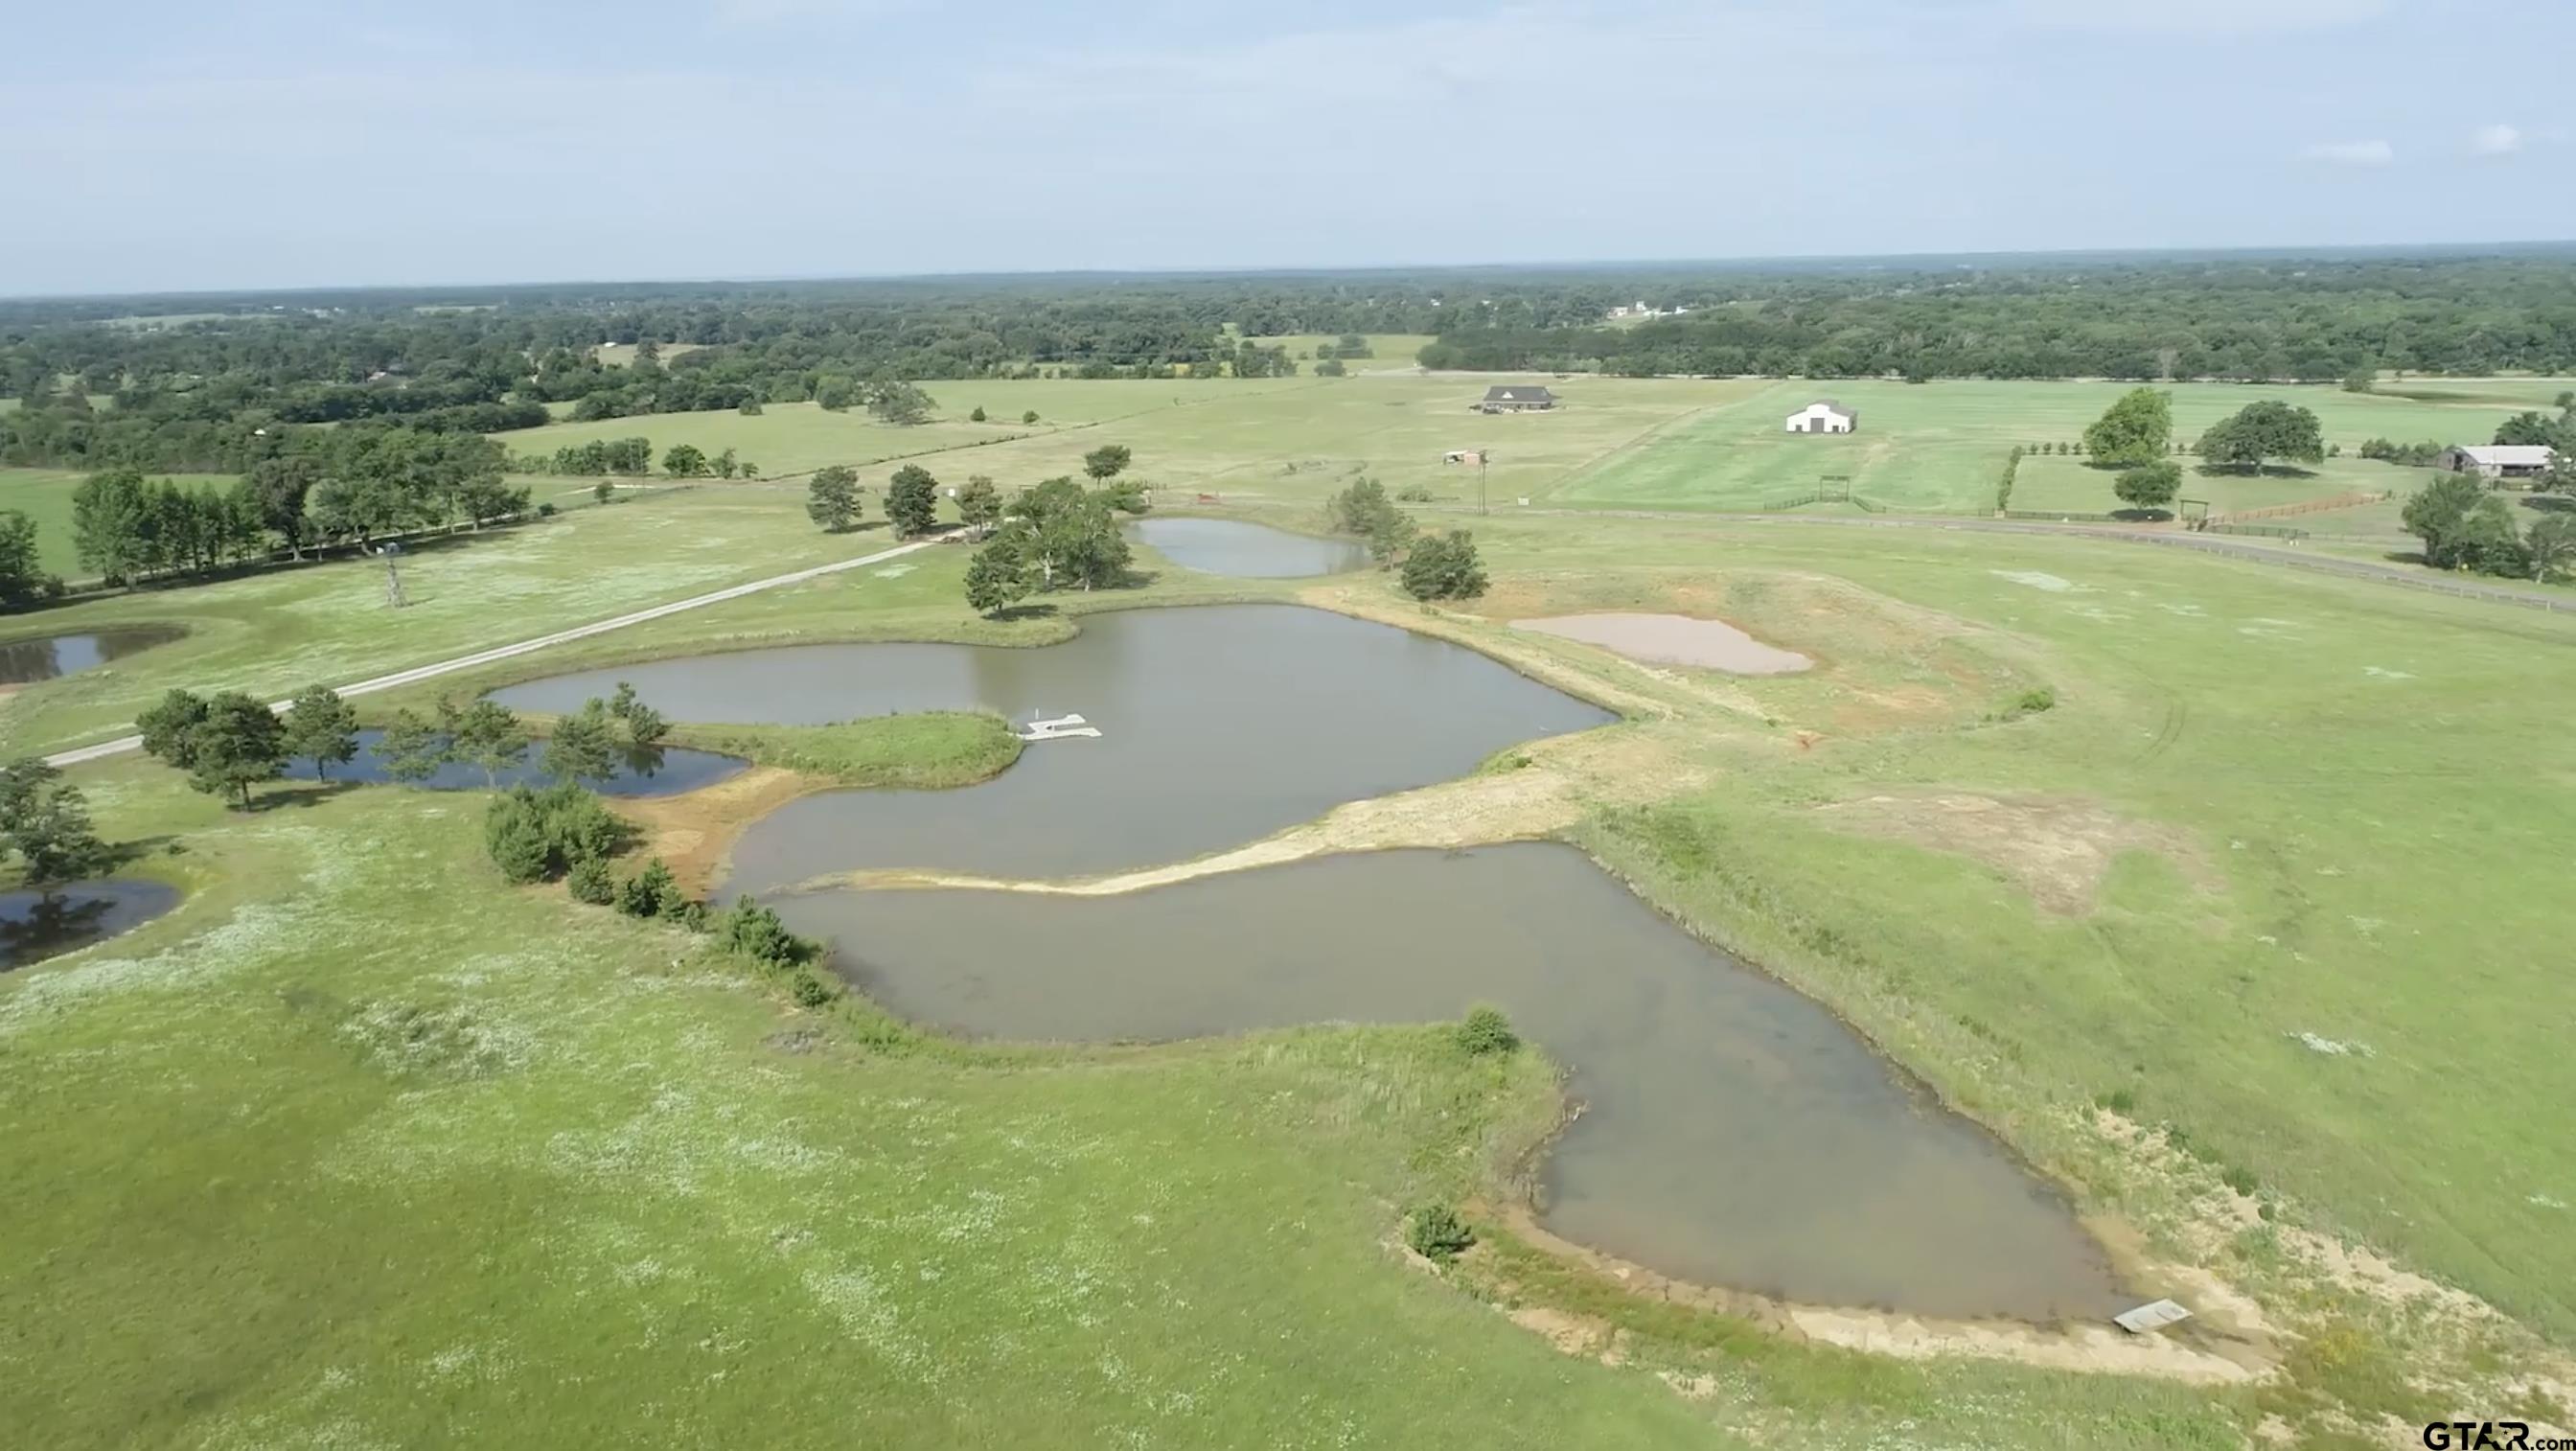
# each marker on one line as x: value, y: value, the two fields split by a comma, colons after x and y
x: 1822, y: 416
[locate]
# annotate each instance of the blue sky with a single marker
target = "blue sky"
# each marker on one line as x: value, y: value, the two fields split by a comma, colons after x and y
x: 171, y: 144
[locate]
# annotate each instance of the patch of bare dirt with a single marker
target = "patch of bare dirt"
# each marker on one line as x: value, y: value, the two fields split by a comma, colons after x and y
x: 2095, y: 1348
x: 2058, y: 849
x: 695, y: 832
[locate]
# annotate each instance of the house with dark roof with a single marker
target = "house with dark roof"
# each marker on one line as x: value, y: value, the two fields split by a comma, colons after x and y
x: 1517, y: 398
x: 1823, y: 416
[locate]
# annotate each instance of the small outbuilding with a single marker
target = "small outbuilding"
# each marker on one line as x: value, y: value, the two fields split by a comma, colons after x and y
x: 1517, y: 398
x: 1822, y: 416
x: 2501, y: 460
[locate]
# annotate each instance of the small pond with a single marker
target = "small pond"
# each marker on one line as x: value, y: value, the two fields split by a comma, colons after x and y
x: 1246, y: 551
x: 1219, y: 725
x: 23, y: 662
x: 1732, y: 1133
x: 34, y: 927
x: 662, y: 771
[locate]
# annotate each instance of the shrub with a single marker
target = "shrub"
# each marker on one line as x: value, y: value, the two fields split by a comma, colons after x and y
x: 546, y: 511
x: 590, y: 881
x: 1437, y: 1233
x: 1029, y: 417
x: 1444, y: 567
x: 2118, y: 1100
x: 650, y: 892
x: 978, y: 415
x: 2240, y: 1179
x: 517, y: 841
x: 2035, y: 700
x: 755, y: 931
x: 1415, y: 494
x: 1485, y: 1030
x: 810, y: 991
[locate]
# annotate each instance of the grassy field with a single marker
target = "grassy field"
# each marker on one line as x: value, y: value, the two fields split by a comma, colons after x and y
x: 1941, y: 446
x: 1615, y: 443
x: 2052, y: 481
x: 1386, y: 350
x: 2263, y: 882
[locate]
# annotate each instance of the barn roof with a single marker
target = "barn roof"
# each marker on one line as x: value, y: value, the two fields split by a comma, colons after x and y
x: 2512, y: 455
x: 1516, y: 392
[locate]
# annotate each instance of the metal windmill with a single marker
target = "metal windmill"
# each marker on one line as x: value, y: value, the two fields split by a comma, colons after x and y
x: 392, y: 553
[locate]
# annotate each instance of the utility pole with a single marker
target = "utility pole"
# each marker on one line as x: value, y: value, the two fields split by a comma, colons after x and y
x: 1482, y: 455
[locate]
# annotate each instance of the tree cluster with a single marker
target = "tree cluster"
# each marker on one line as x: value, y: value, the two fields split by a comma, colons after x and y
x: 45, y: 826
x: 227, y: 742
x: 1058, y: 535
x: 2466, y: 526
x: 2260, y: 432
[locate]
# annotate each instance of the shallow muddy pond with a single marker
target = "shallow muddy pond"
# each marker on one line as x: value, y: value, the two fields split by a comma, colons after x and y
x: 34, y: 927
x: 1733, y: 1132
x: 23, y: 662
x: 1219, y: 725
x: 663, y: 771
x: 1245, y: 551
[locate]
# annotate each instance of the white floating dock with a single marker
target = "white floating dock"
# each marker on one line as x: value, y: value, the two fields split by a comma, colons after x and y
x: 2154, y: 1316
x: 1059, y: 728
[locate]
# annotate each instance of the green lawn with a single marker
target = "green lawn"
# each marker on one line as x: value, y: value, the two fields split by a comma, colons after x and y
x: 2050, y: 481
x: 1941, y: 446
x: 1386, y: 350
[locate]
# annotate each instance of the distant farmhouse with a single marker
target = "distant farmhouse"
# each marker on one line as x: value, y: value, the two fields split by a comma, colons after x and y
x: 2500, y: 461
x: 1822, y: 416
x: 1623, y: 313
x: 1517, y: 398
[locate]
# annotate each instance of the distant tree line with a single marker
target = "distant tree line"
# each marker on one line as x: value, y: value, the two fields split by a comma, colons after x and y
x: 218, y: 394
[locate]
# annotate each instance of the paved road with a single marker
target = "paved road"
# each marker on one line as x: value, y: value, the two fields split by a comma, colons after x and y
x: 123, y: 744
x: 2427, y: 580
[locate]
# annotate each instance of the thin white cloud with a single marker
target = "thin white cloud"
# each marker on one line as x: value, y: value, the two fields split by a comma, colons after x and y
x: 2199, y: 17
x: 2353, y: 153
x: 2499, y: 139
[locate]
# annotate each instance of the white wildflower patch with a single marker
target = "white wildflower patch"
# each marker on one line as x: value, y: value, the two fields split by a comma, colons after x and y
x: 2543, y: 1201
x: 2035, y: 579
x: 482, y: 1363
x: 894, y: 571
x: 854, y: 1298
x: 2377, y: 673
x: 254, y: 936
x: 2331, y: 1047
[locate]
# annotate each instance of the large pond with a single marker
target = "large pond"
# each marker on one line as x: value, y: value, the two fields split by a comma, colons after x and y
x: 34, y: 926
x: 1246, y: 551
x: 661, y: 771
x: 1218, y: 725
x: 23, y: 662
x: 1732, y: 1132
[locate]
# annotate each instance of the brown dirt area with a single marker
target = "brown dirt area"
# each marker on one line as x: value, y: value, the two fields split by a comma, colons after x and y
x: 2058, y: 849
x: 695, y: 832
x: 1671, y: 640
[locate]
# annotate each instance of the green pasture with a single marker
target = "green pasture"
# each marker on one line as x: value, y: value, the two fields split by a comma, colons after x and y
x: 2052, y: 481
x: 1386, y: 350
x: 1940, y: 447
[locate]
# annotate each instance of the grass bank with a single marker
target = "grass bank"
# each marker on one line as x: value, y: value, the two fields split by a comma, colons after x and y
x: 931, y: 750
